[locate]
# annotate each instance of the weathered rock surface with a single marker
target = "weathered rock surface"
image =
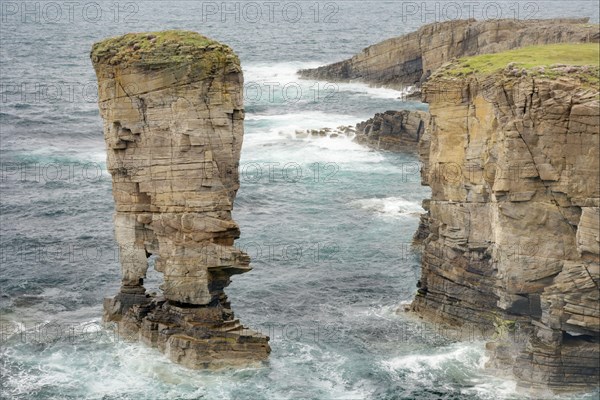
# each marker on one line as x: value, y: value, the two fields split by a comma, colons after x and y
x: 393, y: 130
x: 396, y: 131
x: 409, y: 59
x: 511, y: 238
x: 173, y: 124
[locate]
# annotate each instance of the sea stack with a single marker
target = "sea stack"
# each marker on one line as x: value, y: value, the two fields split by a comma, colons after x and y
x: 396, y: 131
x: 511, y: 235
x: 172, y: 106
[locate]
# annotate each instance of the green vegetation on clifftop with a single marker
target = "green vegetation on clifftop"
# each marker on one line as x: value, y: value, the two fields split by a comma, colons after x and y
x: 550, y: 61
x: 155, y: 49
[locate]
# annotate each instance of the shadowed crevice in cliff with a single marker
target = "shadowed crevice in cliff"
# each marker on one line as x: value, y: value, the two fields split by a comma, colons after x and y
x: 408, y: 60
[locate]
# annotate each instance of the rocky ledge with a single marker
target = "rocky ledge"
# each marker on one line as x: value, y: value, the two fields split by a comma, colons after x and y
x: 511, y: 238
x: 393, y: 130
x: 409, y: 59
x: 173, y: 125
x: 396, y: 131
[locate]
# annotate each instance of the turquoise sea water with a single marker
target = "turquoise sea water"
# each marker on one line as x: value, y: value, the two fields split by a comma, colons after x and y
x: 327, y: 222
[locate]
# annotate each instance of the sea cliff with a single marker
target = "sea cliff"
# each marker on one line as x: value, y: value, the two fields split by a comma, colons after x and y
x: 173, y: 115
x: 408, y: 60
x: 510, y: 241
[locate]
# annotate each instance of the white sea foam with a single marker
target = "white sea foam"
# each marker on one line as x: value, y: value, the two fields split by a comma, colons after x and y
x: 274, y: 138
x: 332, y: 153
x: 303, y: 120
x: 492, y: 388
x: 460, y: 361
x: 389, y: 206
x: 363, y: 89
x: 284, y: 73
x: 420, y: 364
x: 323, y: 373
x: 388, y: 312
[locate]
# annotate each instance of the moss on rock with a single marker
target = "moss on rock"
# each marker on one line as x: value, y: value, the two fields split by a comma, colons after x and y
x: 153, y: 50
x: 577, y: 60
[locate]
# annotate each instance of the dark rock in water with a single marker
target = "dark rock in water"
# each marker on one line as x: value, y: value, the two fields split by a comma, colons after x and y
x: 414, y: 95
x: 393, y: 130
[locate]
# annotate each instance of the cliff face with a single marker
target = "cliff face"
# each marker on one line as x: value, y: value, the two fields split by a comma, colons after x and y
x: 173, y: 124
x: 511, y: 237
x: 410, y: 59
x: 393, y: 130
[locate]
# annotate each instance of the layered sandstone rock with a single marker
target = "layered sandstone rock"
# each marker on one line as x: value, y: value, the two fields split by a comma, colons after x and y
x: 409, y: 59
x: 173, y: 124
x: 511, y: 239
x: 393, y: 130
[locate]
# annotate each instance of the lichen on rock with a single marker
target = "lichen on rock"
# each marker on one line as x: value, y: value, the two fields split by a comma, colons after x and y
x: 172, y: 106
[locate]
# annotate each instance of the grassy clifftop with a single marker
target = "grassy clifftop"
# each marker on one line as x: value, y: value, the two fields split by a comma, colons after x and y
x: 156, y: 49
x: 547, y: 60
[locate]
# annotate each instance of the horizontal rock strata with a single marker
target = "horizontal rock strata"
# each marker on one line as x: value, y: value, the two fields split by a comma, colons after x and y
x: 393, y: 130
x: 511, y: 238
x: 173, y: 125
x: 409, y: 59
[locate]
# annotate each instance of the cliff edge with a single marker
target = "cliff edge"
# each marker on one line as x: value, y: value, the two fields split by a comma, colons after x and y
x: 408, y: 60
x: 511, y: 238
x: 173, y: 125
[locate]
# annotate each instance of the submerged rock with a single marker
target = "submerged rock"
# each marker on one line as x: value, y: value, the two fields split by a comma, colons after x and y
x: 173, y: 125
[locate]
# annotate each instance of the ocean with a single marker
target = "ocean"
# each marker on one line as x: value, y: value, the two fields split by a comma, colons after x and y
x: 328, y: 223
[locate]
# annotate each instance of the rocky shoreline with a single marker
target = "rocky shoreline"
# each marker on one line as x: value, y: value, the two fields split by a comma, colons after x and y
x: 395, y: 131
x: 510, y: 240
